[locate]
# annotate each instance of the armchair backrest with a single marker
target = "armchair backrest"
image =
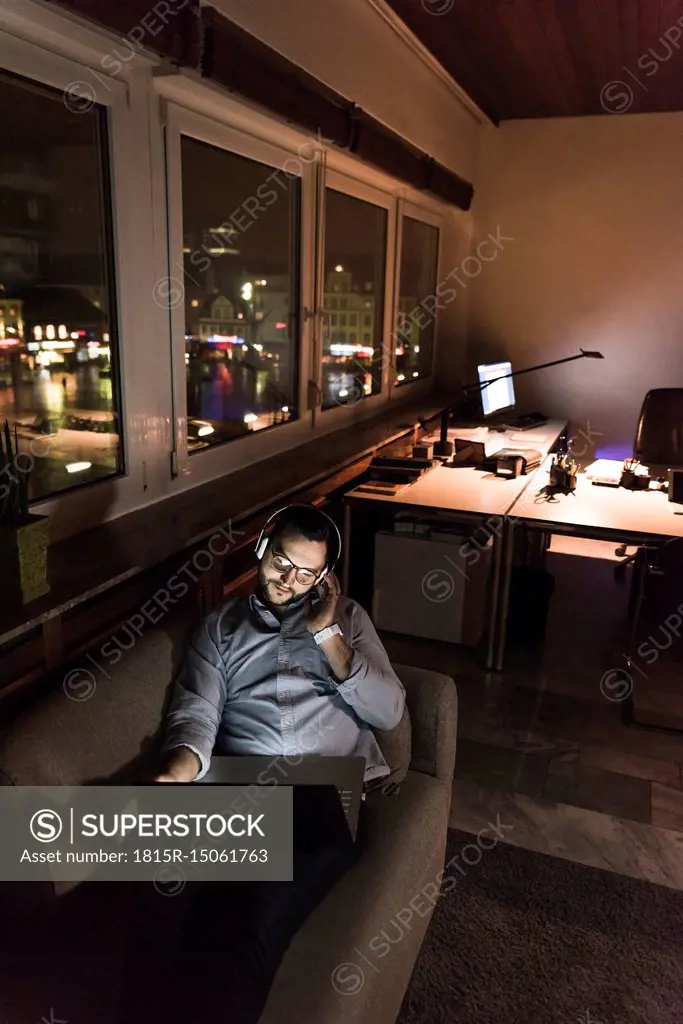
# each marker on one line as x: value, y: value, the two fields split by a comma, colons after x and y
x: 659, y: 435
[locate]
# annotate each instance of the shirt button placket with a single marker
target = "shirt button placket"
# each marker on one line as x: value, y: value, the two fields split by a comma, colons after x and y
x: 284, y: 696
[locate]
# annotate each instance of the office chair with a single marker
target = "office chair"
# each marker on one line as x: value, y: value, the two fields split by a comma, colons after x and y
x: 659, y: 437
x: 655, y: 647
x: 658, y: 443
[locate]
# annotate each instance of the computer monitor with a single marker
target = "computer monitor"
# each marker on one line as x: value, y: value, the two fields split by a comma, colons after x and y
x: 500, y: 395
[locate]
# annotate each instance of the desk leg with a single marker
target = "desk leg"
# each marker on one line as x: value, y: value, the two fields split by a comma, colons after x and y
x: 346, y: 553
x: 504, y: 602
x: 498, y: 544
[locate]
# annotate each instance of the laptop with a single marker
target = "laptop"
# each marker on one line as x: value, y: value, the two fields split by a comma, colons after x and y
x: 327, y: 791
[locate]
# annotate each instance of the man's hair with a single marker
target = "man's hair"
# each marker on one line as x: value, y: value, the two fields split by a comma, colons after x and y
x: 311, y: 524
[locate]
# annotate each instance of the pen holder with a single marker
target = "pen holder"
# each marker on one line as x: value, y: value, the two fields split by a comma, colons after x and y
x: 562, y: 479
x: 634, y: 481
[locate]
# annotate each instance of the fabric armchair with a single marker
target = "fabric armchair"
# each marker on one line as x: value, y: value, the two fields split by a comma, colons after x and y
x: 432, y: 701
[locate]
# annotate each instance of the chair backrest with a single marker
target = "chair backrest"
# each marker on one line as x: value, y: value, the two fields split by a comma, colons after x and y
x: 659, y: 436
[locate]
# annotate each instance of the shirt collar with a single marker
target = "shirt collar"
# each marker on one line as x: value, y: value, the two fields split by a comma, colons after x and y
x: 295, y: 606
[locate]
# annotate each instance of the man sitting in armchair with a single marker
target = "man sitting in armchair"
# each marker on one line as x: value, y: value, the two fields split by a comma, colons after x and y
x: 295, y: 668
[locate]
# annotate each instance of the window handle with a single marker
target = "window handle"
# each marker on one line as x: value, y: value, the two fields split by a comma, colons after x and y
x: 314, y: 394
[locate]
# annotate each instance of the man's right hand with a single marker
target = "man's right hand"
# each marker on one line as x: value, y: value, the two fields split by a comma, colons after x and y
x: 183, y: 766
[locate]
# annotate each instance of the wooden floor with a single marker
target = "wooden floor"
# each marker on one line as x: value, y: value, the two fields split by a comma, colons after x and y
x: 545, y: 739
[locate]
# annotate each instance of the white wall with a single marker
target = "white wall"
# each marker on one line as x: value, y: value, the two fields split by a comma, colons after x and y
x: 353, y: 49
x: 595, y: 208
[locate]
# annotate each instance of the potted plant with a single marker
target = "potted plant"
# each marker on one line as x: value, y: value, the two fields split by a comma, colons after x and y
x: 23, y: 536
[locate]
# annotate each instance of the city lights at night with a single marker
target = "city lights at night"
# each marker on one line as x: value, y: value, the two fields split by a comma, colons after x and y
x: 59, y: 349
x: 58, y: 386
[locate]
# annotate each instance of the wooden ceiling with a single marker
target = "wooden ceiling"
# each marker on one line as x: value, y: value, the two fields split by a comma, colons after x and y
x: 556, y: 58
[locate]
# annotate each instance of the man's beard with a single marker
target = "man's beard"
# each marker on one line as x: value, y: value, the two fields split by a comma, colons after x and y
x: 262, y: 592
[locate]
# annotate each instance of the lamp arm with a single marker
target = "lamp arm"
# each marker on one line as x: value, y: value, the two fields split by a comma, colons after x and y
x: 479, y: 385
x: 471, y: 389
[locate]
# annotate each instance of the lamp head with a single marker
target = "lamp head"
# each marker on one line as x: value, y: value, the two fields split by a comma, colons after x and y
x: 591, y: 355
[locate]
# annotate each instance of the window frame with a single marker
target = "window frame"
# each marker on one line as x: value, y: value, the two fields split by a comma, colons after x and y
x: 121, y: 492
x: 407, y: 208
x: 347, y: 184
x: 216, y: 460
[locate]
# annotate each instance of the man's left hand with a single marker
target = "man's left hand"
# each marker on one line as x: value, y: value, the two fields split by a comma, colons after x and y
x: 324, y: 613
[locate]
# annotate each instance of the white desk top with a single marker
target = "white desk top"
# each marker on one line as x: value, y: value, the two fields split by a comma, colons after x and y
x: 594, y: 510
x: 464, y: 489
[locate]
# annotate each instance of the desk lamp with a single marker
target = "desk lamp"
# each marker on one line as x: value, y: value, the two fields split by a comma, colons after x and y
x: 443, y: 447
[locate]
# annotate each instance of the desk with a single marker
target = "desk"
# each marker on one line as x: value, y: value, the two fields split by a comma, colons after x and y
x: 462, y: 494
x: 593, y: 512
x: 602, y: 513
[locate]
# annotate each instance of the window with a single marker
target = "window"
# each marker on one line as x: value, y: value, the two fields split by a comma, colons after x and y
x: 355, y: 257
x: 168, y: 284
x: 58, y: 341
x: 241, y: 261
x: 416, y: 325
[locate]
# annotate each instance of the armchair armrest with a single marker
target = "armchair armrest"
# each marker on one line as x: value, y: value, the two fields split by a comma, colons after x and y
x: 432, y: 701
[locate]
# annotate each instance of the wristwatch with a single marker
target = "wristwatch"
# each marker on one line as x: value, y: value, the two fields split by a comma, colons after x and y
x: 325, y: 634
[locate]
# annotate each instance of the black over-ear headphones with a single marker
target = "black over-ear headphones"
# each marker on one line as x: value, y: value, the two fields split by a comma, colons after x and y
x: 262, y: 542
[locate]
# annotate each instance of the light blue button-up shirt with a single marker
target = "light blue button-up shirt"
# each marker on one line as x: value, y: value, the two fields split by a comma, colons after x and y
x: 252, y: 683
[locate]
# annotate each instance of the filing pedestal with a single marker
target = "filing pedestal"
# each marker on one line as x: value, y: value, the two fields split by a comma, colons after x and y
x: 431, y: 586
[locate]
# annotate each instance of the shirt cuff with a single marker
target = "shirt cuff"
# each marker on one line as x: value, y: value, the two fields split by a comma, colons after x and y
x: 202, y: 759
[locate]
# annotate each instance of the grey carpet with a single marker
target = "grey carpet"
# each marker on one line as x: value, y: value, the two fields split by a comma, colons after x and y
x: 525, y: 938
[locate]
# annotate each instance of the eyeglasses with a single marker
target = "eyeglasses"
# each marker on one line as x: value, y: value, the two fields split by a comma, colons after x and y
x: 303, y: 576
